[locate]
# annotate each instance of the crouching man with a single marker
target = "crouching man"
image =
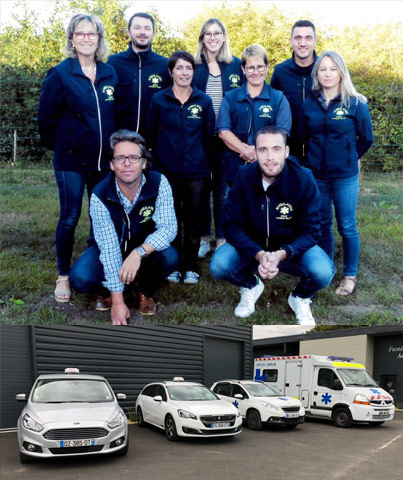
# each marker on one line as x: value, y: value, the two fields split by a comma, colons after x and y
x: 272, y: 225
x: 133, y: 221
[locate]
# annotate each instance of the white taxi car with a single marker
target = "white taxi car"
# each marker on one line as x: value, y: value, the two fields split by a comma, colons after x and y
x: 186, y: 409
x: 71, y: 414
x: 260, y: 403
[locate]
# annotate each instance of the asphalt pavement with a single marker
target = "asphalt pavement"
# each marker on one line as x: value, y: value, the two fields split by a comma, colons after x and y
x: 315, y: 450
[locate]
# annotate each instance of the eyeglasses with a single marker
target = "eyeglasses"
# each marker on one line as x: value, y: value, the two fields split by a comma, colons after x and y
x: 213, y: 34
x: 133, y: 159
x: 259, y: 68
x: 82, y: 35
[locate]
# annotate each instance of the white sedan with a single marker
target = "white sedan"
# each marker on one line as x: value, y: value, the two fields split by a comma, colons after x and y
x: 186, y: 409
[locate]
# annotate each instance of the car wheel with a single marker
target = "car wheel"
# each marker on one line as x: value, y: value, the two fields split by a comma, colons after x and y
x: 170, y: 429
x: 342, y: 417
x: 26, y: 458
x: 253, y: 420
x: 140, y: 418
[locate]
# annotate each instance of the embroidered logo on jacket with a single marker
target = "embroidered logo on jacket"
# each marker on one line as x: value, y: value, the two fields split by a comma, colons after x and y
x: 285, y: 211
x: 340, y: 113
x: 195, y: 111
x: 154, y: 81
x: 108, y: 90
x: 235, y: 80
x: 265, y: 111
x: 146, y: 212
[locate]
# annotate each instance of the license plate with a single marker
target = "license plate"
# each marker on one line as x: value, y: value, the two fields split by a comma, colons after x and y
x: 219, y: 425
x: 291, y: 415
x: 381, y: 415
x: 76, y: 443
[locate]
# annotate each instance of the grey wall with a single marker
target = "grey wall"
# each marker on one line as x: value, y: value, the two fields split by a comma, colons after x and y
x: 388, y: 360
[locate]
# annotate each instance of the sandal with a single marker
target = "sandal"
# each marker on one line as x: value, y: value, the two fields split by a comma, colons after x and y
x: 347, y: 286
x: 62, y: 296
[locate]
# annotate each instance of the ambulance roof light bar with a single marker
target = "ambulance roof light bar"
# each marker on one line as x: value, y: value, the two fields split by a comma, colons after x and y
x: 334, y: 358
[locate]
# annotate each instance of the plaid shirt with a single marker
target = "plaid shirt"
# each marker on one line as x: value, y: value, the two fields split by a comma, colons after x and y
x: 107, y: 238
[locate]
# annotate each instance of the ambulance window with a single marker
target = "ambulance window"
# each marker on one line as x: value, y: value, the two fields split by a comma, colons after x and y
x: 270, y: 375
x: 326, y: 378
x: 238, y: 389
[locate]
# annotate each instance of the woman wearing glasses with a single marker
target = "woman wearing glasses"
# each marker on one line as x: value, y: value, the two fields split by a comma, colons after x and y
x: 217, y: 72
x: 336, y: 123
x: 180, y: 125
x: 244, y: 111
x: 76, y: 119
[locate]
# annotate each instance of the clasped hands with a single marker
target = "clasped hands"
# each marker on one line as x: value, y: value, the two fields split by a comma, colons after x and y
x: 268, y: 263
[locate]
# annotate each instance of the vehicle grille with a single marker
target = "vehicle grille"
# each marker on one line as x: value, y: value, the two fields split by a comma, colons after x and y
x: 291, y: 409
x: 208, y: 419
x: 66, y: 451
x: 75, y: 433
x: 206, y: 433
x: 379, y: 402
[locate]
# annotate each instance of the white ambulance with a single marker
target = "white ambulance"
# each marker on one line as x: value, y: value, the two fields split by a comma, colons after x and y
x: 333, y: 387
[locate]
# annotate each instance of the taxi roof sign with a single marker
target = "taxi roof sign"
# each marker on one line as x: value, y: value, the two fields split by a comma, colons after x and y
x: 178, y: 379
x: 70, y: 371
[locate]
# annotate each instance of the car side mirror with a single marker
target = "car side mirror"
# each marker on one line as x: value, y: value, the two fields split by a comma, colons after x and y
x: 239, y: 396
x: 157, y: 398
x: 337, y: 384
x: 21, y: 397
x: 121, y: 396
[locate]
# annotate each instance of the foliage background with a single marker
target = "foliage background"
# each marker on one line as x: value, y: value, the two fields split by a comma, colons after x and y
x: 28, y: 51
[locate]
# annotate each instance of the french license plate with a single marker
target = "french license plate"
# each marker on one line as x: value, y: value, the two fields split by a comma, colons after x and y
x: 76, y: 443
x: 381, y: 415
x: 219, y: 425
x: 291, y: 415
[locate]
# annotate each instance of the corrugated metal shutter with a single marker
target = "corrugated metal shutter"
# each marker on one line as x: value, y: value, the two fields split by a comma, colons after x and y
x: 16, y: 371
x: 223, y: 359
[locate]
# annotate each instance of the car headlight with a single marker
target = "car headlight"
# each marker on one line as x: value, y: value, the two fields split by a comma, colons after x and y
x: 31, y: 424
x: 185, y: 414
x: 361, y: 399
x: 270, y: 405
x: 117, y: 421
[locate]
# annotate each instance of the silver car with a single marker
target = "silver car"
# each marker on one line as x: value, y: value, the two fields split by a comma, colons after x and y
x: 71, y: 414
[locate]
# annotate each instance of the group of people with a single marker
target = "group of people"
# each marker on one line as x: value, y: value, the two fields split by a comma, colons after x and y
x: 151, y: 138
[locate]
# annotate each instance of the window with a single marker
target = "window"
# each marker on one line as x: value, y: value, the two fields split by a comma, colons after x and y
x: 160, y: 390
x: 326, y: 378
x: 149, y: 391
x: 270, y: 375
x: 238, y: 389
x: 223, y: 389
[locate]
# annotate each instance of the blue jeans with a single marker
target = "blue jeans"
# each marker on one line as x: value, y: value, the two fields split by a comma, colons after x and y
x: 314, y: 267
x: 71, y: 191
x: 343, y: 194
x: 87, y: 273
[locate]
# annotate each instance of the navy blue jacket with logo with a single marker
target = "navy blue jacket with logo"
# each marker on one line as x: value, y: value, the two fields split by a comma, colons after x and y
x: 231, y: 74
x: 179, y: 134
x: 296, y: 84
x: 287, y: 217
x: 244, y: 117
x: 336, y: 136
x: 76, y: 117
x: 140, y: 76
x: 131, y: 229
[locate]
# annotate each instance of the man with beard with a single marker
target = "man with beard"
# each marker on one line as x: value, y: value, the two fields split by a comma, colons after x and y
x: 293, y: 77
x: 141, y: 73
x: 272, y: 225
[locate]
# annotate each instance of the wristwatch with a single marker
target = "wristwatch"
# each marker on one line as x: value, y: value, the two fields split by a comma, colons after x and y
x: 141, y: 251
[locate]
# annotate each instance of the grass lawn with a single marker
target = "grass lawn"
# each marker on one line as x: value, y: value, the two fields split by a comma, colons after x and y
x: 28, y: 216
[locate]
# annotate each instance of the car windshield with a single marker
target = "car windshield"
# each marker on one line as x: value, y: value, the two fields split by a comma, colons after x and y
x: 190, y: 393
x: 71, y: 390
x: 261, y: 390
x: 356, y: 377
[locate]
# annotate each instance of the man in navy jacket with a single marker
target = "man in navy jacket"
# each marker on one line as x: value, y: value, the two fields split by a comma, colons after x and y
x: 141, y: 73
x: 293, y: 77
x: 272, y: 225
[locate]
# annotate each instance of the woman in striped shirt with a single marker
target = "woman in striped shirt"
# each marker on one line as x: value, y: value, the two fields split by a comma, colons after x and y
x: 217, y: 71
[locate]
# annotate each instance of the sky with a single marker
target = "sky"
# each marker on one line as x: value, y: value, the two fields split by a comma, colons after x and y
x: 325, y: 12
x: 266, y: 331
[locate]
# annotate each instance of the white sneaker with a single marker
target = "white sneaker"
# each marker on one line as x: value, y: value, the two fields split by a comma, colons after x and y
x: 301, y: 308
x: 175, y: 277
x: 191, y: 278
x: 204, y: 248
x: 249, y: 297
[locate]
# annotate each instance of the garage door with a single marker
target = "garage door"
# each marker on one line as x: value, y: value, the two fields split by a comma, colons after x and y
x: 222, y: 359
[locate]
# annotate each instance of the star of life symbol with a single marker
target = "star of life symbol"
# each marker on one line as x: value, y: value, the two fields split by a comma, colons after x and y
x: 282, y: 398
x: 326, y: 398
x: 235, y: 403
x: 375, y: 391
x: 284, y: 210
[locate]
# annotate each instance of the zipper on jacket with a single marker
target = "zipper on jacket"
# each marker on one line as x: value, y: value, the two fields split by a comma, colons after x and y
x: 100, y: 127
x: 139, y: 100
x: 128, y: 230
x: 303, y: 89
x: 267, y: 221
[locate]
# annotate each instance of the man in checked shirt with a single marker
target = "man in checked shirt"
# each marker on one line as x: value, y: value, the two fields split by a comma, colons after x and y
x: 134, y: 221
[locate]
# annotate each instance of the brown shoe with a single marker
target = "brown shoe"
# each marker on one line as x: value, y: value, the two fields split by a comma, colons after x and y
x: 347, y: 286
x: 102, y: 304
x: 146, y: 305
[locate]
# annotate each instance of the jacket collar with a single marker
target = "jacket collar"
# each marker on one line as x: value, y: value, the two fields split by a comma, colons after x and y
x: 256, y: 176
x: 195, y: 93
x: 243, y: 94
x: 307, y: 69
x: 102, y: 70
x: 144, y: 55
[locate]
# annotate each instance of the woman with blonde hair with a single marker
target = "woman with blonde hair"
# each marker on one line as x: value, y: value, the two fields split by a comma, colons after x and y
x: 76, y: 119
x: 217, y: 72
x: 336, y: 124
